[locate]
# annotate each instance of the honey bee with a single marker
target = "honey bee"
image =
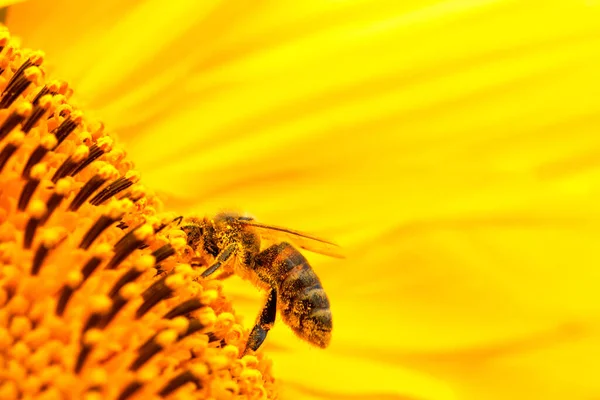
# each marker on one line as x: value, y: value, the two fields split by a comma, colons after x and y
x: 293, y: 287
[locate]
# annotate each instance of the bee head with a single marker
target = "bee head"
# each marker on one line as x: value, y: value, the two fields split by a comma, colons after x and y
x: 195, y: 230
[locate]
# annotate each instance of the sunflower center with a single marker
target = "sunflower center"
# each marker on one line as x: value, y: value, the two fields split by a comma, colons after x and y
x: 97, y: 300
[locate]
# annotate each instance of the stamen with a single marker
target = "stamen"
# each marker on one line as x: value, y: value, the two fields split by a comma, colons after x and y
x: 130, y: 390
x: 40, y: 106
x: 6, y: 154
x: 27, y: 192
x: 67, y: 127
x: 62, y: 189
x: 67, y: 291
x: 162, y: 253
x: 103, y: 222
x: 114, y: 188
x: 18, y: 83
x: 53, y: 238
x: 95, y: 152
x: 118, y: 298
x: 90, y: 267
x: 15, y: 139
x: 194, y: 326
x: 52, y: 204
x: 84, y: 352
x: 69, y: 165
x: 37, y: 172
x: 103, y: 175
x: 38, y: 259
x: 37, y: 211
x: 14, y: 119
x: 35, y: 59
x: 184, y: 308
x: 34, y: 158
x: 157, y: 292
x: 30, y: 229
x: 178, y: 381
x: 133, y: 240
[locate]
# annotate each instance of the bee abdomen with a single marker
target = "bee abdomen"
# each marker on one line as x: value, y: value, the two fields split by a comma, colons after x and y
x: 305, y: 306
x: 302, y: 301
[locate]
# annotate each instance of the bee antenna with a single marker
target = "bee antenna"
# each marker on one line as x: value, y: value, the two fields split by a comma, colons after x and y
x: 178, y: 219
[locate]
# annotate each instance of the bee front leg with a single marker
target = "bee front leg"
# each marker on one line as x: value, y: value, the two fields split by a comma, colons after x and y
x: 222, y: 258
x: 264, y: 324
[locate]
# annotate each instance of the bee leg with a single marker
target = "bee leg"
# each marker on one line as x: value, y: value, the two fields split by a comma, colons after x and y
x: 264, y: 323
x: 221, y: 259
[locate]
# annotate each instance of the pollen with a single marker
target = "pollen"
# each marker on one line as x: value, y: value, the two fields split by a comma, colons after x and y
x: 83, y: 312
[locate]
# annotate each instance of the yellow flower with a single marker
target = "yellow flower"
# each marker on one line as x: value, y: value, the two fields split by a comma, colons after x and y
x: 450, y: 146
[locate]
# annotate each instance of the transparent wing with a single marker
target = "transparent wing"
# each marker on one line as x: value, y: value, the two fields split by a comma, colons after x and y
x: 300, y: 239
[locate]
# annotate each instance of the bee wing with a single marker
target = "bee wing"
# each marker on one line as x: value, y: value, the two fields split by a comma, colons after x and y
x: 300, y: 239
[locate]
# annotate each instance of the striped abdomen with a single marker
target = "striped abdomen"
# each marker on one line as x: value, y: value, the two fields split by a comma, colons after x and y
x: 301, y: 299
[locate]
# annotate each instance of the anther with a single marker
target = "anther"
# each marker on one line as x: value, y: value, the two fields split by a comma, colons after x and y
x: 71, y: 162
x: 67, y: 126
x: 39, y: 109
x: 21, y: 79
x: 94, y: 153
x: 86, y: 191
x: 178, y: 381
x: 6, y: 154
x: 92, y: 322
x: 67, y: 291
x: 118, y: 301
x: 145, y: 353
x: 184, y: 308
x: 20, y: 84
x: 37, y: 172
x: 34, y: 159
x: 157, y: 292
x: 163, y: 252
x: 52, y: 239
x: 153, y: 346
x: 128, y: 244
x: 14, y: 119
x: 38, y: 258
x: 130, y: 390
x: 37, y: 211
x: 50, y: 89
x: 84, y: 352
x: 27, y: 192
x: 103, y: 222
x: 90, y: 267
x: 111, y: 190
x: 62, y: 189
x: 35, y: 59
x: 30, y: 229
x: 194, y: 326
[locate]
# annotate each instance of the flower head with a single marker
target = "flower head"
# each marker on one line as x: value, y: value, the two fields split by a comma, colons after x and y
x: 97, y: 296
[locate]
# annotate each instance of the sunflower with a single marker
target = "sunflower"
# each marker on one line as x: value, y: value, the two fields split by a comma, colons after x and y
x: 449, y: 146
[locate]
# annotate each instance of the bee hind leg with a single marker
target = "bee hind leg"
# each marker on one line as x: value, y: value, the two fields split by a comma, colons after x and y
x: 264, y: 323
